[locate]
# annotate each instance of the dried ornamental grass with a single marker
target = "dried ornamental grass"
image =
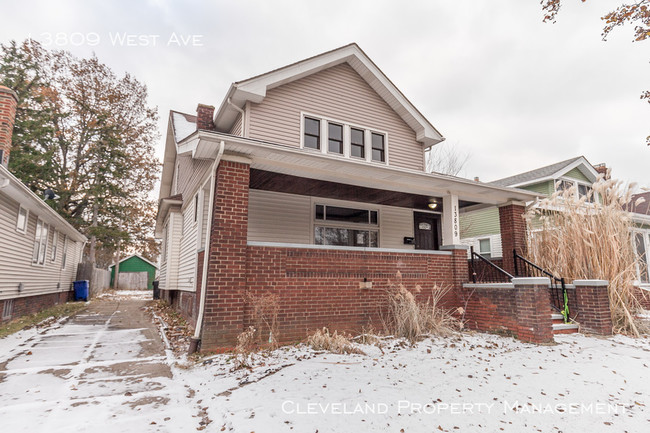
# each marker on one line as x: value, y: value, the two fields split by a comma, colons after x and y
x: 576, y: 239
x: 335, y: 343
x: 409, y: 318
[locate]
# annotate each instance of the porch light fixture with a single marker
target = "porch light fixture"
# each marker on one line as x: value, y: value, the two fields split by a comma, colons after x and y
x: 433, y: 204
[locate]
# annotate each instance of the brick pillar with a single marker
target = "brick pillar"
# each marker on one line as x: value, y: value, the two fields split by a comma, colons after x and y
x: 8, y: 102
x: 513, y: 232
x: 594, y: 313
x: 226, y: 280
x: 533, y: 310
x: 204, y: 117
x: 459, y: 263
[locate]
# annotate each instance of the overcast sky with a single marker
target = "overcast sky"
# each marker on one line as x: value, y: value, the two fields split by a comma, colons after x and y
x: 515, y: 93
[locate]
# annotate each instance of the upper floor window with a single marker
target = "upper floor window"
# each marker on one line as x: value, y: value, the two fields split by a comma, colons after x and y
x: 357, y: 143
x: 335, y: 137
x: 378, y: 150
x: 312, y: 133
x: 582, y: 189
x: 339, y: 138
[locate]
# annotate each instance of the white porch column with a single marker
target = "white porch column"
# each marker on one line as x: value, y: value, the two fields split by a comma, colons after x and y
x: 450, y: 220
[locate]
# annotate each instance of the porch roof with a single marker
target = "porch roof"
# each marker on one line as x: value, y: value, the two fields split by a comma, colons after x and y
x: 293, y: 161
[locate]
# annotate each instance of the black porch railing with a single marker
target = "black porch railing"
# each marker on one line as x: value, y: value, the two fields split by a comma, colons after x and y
x: 484, y: 271
x: 559, y: 297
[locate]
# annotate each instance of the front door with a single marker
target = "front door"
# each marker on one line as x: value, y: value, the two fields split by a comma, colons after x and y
x: 426, y: 230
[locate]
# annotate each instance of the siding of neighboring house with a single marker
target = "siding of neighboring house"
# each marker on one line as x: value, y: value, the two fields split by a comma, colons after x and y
x: 547, y: 187
x: 480, y: 223
x: 338, y: 93
x: 16, y: 262
x: 576, y: 174
x: 287, y: 218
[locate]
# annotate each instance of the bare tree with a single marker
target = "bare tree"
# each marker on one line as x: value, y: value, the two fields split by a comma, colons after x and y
x: 446, y: 158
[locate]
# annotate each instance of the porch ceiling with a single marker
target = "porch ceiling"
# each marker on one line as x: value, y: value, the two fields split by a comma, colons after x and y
x: 303, y: 163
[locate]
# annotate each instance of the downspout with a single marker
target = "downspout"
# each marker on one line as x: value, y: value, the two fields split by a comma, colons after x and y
x: 194, y: 344
x: 243, y: 116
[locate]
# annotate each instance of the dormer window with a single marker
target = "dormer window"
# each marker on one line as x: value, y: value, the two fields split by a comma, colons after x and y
x: 335, y: 138
x: 582, y: 189
x: 343, y: 139
x: 312, y: 133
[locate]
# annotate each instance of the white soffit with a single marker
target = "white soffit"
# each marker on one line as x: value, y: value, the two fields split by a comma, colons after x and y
x: 254, y: 89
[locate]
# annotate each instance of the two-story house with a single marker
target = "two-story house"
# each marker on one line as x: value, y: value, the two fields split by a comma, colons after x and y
x: 309, y: 182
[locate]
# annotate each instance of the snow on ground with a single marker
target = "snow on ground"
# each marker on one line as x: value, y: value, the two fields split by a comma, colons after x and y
x: 102, y: 373
x: 144, y: 295
x: 473, y: 382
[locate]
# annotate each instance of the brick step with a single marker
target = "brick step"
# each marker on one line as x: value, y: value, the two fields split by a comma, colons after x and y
x: 559, y: 327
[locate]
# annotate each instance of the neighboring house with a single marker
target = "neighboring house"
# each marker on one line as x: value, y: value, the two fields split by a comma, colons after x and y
x: 309, y: 182
x: 480, y: 226
x: 136, y: 264
x: 39, y: 250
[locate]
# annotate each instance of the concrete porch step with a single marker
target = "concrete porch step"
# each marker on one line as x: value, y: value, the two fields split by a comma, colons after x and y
x: 559, y: 327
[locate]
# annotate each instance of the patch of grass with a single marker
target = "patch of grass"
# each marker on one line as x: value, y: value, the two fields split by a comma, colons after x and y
x: 49, y: 315
x: 335, y: 343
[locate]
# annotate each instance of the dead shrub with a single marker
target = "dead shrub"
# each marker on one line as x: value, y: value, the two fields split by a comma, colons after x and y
x: 335, y: 343
x: 409, y: 318
x: 246, y: 346
x: 264, y: 314
x: 576, y: 239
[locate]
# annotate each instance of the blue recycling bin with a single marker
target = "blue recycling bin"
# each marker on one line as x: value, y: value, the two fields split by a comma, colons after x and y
x: 80, y: 290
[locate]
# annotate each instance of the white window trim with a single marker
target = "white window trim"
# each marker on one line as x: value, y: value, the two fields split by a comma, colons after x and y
x: 646, y: 240
x: 340, y: 224
x: 24, y: 229
x: 42, y: 243
x: 64, y: 252
x: 347, y: 126
x: 55, y: 245
x: 479, y: 246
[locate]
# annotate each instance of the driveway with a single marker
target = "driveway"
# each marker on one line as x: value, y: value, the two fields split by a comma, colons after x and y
x: 103, y: 370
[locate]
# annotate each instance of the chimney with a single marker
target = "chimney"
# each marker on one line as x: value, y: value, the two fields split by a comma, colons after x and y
x: 8, y: 102
x: 476, y: 179
x: 204, y: 116
x: 602, y: 169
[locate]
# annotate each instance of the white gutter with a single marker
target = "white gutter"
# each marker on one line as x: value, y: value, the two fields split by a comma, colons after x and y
x: 206, y: 251
x: 243, y: 115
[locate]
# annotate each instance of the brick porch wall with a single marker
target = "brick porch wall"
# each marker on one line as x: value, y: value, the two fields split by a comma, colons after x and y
x: 320, y: 288
x: 513, y: 233
x: 34, y: 304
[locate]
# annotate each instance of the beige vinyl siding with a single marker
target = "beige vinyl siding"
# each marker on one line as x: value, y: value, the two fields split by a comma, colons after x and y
x: 16, y: 257
x: 287, y: 218
x: 175, y: 227
x: 190, y: 173
x: 338, y: 93
x: 187, y: 253
x: 237, y: 127
x: 394, y: 224
x: 575, y: 173
x: 279, y: 217
x: 482, y: 222
x: 546, y: 188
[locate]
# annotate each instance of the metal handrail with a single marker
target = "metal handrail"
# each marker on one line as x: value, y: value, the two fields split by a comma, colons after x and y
x: 495, y: 273
x: 559, y: 295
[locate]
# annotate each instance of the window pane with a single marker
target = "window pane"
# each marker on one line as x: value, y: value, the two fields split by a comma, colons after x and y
x: 564, y: 185
x: 377, y: 155
x: 345, y: 237
x: 22, y: 219
x: 484, y: 248
x: 312, y: 126
x: 335, y: 131
x: 373, y: 217
x: 311, y: 142
x: 356, y: 136
x: 320, y: 212
x: 335, y: 213
x: 335, y: 146
x: 357, y: 151
x: 377, y: 141
x: 43, y: 247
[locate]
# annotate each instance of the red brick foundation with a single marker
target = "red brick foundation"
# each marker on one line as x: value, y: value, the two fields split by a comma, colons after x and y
x: 33, y: 304
x: 594, y: 314
x: 520, y: 309
x: 643, y: 296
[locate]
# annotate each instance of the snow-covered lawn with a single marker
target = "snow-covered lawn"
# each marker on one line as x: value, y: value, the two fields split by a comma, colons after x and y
x: 472, y: 382
x: 100, y: 370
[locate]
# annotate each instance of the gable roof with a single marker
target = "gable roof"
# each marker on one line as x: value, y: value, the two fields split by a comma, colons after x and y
x: 254, y: 89
x: 548, y: 172
x: 138, y: 256
x: 183, y: 124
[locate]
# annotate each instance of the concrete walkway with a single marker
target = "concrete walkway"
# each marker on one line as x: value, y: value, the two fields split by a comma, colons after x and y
x: 104, y: 370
